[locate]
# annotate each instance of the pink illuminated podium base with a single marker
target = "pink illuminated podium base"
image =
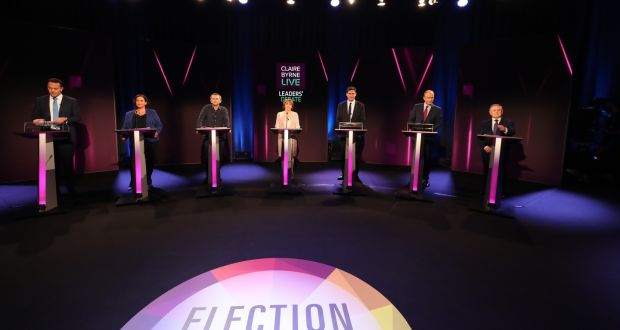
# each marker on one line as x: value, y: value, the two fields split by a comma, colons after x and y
x: 416, y: 186
x: 288, y: 159
x: 47, y: 188
x: 493, y: 187
x: 140, y: 193
x: 348, y: 181
x: 213, y: 186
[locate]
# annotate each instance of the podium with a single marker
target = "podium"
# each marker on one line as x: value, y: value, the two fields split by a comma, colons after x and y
x: 287, y: 157
x: 493, y: 188
x: 213, y: 155
x: 349, y: 155
x: 48, y: 198
x: 416, y: 184
x: 140, y: 184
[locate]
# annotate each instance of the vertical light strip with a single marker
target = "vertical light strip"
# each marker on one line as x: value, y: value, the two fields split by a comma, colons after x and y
x: 350, y: 160
x: 495, y: 171
x: 285, y: 158
x: 266, y: 138
x: 570, y: 69
x: 355, y: 69
x: 137, y: 152
x: 416, y: 162
x: 400, y: 73
x: 214, y: 154
x: 428, y: 65
x: 189, y: 66
x: 162, y: 72
x: 408, y: 150
x: 42, y: 169
x: 323, y: 66
x: 469, y: 141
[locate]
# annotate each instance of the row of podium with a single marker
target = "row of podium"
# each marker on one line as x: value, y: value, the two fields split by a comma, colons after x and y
x: 48, y: 199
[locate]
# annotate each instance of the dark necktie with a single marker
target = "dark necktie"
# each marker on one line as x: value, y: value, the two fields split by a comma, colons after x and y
x: 349, y: 110
x: 425, y: 112
x: 495, y: 123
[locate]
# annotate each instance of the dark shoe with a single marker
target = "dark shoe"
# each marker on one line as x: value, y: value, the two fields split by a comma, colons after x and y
x: 425, y: 184
x: 340, y: 178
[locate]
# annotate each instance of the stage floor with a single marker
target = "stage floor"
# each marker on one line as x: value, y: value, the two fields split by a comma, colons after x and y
x: 548, y: 259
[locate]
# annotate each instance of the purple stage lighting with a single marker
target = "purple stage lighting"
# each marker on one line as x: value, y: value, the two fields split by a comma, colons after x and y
x: 161, y: 69
x: 400, y: 73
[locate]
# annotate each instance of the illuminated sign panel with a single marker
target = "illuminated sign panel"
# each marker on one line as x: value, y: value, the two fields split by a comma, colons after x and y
x: 287, y: 294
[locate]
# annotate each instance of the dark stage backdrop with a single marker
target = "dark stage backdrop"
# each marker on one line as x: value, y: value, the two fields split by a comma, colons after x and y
x: 85, y: 65
x: 178, y: 86
x: 531, y: 80
x: 388, y: 81
x: 309, y: 95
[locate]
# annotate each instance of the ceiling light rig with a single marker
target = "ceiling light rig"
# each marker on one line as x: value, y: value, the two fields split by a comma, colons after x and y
x: 381, y: 3
x: 423, y: 3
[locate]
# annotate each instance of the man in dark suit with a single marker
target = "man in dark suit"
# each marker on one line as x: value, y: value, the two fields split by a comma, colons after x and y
x: 426, y: 113
x: 496, y: 125
x: 60, y: 110
x: 352, y: 110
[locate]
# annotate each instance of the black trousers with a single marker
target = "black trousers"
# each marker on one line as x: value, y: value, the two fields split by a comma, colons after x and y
x: 427, y: 155
x: 150, y: 155
x: 63, y: 152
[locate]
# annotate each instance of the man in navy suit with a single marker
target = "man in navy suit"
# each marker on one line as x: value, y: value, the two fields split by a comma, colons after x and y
x: 352, y: 110
x: 60, y: 110
x: 496, y: 125
x: 426, y: 113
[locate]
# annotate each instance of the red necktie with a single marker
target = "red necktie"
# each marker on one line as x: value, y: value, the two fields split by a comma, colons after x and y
x: 425, y: 112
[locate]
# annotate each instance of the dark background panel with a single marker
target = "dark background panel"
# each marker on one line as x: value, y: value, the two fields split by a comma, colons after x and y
x: 85, y: 65
x: 529, y: 77
x: 312, y: 110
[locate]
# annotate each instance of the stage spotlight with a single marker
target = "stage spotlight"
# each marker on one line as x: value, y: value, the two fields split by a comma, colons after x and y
x: 381, y: 3
x: 462, y: 3
x: 243, y: 2
x: 351, y: 2
x: 335, y: 3
x: 290, y: 2
x: 421, y: 3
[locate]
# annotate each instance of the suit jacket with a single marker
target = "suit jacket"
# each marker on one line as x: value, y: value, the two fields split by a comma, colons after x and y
x: 359, y: 113
x: 487, y: 128
x: 152, y: 121
x: 416, y: 115
x: 69, y: 108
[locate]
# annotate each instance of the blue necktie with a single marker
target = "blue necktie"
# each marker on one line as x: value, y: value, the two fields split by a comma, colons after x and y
x: 54, y: 109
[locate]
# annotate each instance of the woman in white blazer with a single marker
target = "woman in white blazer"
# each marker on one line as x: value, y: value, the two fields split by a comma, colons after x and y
x: 288, y: 119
